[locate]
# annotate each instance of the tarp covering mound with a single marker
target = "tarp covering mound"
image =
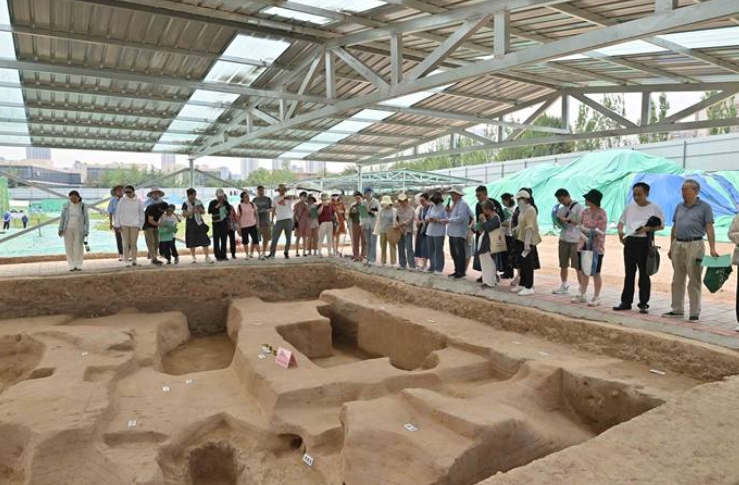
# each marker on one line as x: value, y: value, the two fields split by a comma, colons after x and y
x: 614, y: 172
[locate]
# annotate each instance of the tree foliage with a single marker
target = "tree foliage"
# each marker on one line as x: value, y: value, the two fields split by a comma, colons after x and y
x: 724, y: 110
x: 590, y: 121
x: 531, y: 151
x: 269, y: 178
x: 655, y: 117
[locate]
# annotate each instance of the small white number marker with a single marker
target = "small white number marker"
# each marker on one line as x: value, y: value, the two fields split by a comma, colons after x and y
x: 410, y: 427
x: 131, y: 423
x: 189, y: 381
x: 262, y: 356
x: 84, y: 354
x: 166, y: 389
x: 658, y: 372
x: 307, y: 459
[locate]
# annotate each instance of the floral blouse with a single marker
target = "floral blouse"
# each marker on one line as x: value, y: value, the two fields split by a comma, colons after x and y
x: 595, y: 219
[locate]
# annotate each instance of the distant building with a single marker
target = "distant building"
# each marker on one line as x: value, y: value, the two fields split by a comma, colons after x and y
x: 248, y: 165
x: 95, y: 173
x: 38, y: 153
x: 42, y: 175
x: 169, y: 162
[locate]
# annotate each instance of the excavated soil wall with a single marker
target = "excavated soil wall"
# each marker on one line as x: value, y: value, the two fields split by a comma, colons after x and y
x: 201, y: 292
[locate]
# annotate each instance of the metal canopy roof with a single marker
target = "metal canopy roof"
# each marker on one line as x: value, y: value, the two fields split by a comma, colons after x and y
x: 390, y: 180
x: 331, y: 80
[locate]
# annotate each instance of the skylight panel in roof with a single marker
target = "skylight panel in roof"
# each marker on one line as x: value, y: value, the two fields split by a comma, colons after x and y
x: 371, y: 114
x: 179, y: 125
x: 213, y: 97
x: 353, y: 126
x: 177, y: 138
x: 343, y: 5
x: 294, y: 155
x: 232, y: 73
x: 300, y: 16
x: 408, y: 100
x: 203, y: 113
x: 329, y: 137
x: 310, y: 146
x: 266, y: 50
x: 573, y: 57
x: 630, y: 48
x: 703, y: 39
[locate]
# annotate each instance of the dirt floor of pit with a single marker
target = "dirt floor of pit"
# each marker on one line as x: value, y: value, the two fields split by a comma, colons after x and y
x: 383, y: 393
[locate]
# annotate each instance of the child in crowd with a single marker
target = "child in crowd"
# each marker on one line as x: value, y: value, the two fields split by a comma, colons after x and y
x: 167, y: 230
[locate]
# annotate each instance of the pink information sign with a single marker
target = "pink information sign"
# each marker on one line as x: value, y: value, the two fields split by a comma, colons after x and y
x: 285, y: 358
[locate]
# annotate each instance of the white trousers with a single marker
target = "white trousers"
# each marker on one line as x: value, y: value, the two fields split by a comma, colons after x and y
x: 326, y: 230
x: 74, y: 247
x: 488, y: 269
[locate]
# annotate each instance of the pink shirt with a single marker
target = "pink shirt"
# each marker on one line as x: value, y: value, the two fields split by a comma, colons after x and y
x: 247, y: 215
x: 595, y: 219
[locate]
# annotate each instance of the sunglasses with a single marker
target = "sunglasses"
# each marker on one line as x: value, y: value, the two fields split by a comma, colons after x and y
x: 129, y: 192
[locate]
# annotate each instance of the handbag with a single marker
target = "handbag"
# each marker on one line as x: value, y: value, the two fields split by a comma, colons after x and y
x: 653, y: 258
x: 497, y: 241
x: 588, y: 258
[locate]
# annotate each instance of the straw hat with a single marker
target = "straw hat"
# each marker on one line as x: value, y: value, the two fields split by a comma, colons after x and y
x: 386, y: 200
x: 325, y: 198
x: 455, y: 190
x: 402, y: 197
x: 522, y: 194
x: 155, y: 189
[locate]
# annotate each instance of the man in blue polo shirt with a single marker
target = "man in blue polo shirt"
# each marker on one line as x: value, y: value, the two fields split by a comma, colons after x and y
x: 693, y: 219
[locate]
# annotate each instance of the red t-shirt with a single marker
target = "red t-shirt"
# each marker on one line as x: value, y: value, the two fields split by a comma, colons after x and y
x: 326, y: 214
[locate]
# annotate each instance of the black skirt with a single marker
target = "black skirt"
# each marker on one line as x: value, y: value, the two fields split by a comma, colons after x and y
x: 518, y: 251
x: 196, y: 236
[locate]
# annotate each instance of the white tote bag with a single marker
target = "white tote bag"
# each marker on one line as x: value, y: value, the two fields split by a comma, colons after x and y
x: 586, y: 262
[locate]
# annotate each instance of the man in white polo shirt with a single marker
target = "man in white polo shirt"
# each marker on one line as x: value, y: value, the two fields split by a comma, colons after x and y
x: 282, y: 217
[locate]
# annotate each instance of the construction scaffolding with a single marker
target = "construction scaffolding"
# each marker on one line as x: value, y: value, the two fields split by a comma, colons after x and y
x: 388, y: 181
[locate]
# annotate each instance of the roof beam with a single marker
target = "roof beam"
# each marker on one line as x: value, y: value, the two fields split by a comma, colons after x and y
x: 432, y: 113
x: 601, y: 21
x: 436, y: 21
x: 120, y: 75
x: 535, y: 116
x: 360, y: 67
x: 445, y: 49
x: 657, y: 128
x: 649, y: 25
x: 472, y: 136
x: 608, y: 113
x: 663, y: 87
x: 700, y: 106
x: 243, y: 23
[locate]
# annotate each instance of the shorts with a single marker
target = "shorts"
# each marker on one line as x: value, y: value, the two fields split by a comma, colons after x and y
x: 568, y: 255
x: 265, y: 232
x: 249, y: 232
x: 598, y: 265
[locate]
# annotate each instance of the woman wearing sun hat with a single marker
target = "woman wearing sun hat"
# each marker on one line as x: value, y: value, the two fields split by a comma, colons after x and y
x: 386, y: 221
x: 527, y: 238
x: 593, y: 224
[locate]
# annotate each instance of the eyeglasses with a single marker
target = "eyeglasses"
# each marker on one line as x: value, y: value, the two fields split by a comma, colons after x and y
x: 129, y: 192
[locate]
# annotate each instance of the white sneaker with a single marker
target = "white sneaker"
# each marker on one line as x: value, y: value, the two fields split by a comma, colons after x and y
x: 209, y: 260
x: 516, y: 289
x: 438, y: 272
x: 515, y: 281
x: 526, y: 292
x: 194, y: 261
x: 595, y: 301
x: 737, y: 329
x: 579, y: 299
x: 562, y: 290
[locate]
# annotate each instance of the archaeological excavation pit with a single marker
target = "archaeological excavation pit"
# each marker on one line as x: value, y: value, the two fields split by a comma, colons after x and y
x: 391, y: 383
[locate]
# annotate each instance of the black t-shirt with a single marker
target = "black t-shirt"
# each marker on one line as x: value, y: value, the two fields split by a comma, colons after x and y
x: 218, y: 215
x: 152, y: 211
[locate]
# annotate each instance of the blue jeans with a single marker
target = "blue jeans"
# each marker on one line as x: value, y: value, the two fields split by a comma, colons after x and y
x: 405, y: 251
x: 436, y: 252
x: 371, y: 241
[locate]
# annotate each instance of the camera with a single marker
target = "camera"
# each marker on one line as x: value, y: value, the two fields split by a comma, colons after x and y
x: 87, y: 246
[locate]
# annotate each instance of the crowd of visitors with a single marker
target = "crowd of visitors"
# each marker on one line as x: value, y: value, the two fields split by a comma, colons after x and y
x: 499, y: 238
